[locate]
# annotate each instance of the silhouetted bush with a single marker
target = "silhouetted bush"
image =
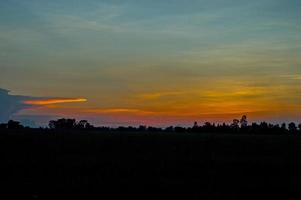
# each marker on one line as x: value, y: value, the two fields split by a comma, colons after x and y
x: 11, y: 124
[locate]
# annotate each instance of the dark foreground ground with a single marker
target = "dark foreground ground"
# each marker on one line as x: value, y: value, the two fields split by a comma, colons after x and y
x: 149, y: 165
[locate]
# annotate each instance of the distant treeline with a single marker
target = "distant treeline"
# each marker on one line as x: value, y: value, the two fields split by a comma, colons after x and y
x: 237, y: 127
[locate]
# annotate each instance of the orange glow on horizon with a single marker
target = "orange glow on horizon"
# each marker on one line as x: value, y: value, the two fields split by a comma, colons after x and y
x: 219, y: 102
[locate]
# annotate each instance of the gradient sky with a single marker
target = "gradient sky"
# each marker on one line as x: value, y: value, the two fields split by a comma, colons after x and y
x: 156, y: 62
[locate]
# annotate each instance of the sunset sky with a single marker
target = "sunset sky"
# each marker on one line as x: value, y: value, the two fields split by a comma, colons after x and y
x: 130, y: 62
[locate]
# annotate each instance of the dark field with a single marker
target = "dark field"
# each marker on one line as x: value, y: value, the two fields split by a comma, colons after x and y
x: 149, y: 165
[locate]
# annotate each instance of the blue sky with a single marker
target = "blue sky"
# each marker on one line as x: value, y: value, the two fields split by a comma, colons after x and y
x: 113, y: 53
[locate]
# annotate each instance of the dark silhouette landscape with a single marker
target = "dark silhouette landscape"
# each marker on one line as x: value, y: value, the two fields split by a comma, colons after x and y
x: 209, y: 161
x: 100, y: 98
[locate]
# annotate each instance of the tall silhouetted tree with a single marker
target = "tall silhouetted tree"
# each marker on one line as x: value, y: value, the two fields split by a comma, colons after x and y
x: 244, y: 121
x: 195, y: 125
x: 292, y: 128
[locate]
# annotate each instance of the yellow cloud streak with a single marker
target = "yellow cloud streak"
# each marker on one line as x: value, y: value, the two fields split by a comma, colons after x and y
x: 54, y: 101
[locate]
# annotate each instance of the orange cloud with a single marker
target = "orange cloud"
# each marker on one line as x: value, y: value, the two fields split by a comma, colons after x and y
x: 157, y: 95
x: 53, y: 101
x: 118, y: 111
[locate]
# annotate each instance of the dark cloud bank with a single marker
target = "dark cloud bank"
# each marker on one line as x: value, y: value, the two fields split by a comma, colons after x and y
x: 11, y: 104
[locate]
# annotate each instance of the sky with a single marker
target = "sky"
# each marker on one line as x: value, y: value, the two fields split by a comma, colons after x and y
x: 130, y: 62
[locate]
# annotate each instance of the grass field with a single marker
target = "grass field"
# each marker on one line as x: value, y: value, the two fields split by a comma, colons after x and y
x: 149, y: 165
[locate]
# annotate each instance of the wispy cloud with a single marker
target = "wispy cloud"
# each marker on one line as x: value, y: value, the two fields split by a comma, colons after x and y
x: 41, y: 102
x: 292, y: 76
x: 118, y: 111
x: 157, y: 95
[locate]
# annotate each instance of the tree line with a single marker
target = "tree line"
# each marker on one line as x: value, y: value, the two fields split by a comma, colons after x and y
x: 237, y: 126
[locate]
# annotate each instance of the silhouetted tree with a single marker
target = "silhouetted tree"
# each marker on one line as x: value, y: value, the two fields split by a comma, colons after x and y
x: 169, y: 129
x: 11, y: 124
x: 82, y: 124
x: 142, y: 128
x: 208, y: 127
x: 283, y: 126
x: 62, y: 124
x: 264, y: 127
x: 244, y: 121
x: 195, y: 125
x: 292, y: 128
x: 195, y: 128
x: 225, y: 128
x: 235, y: 124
